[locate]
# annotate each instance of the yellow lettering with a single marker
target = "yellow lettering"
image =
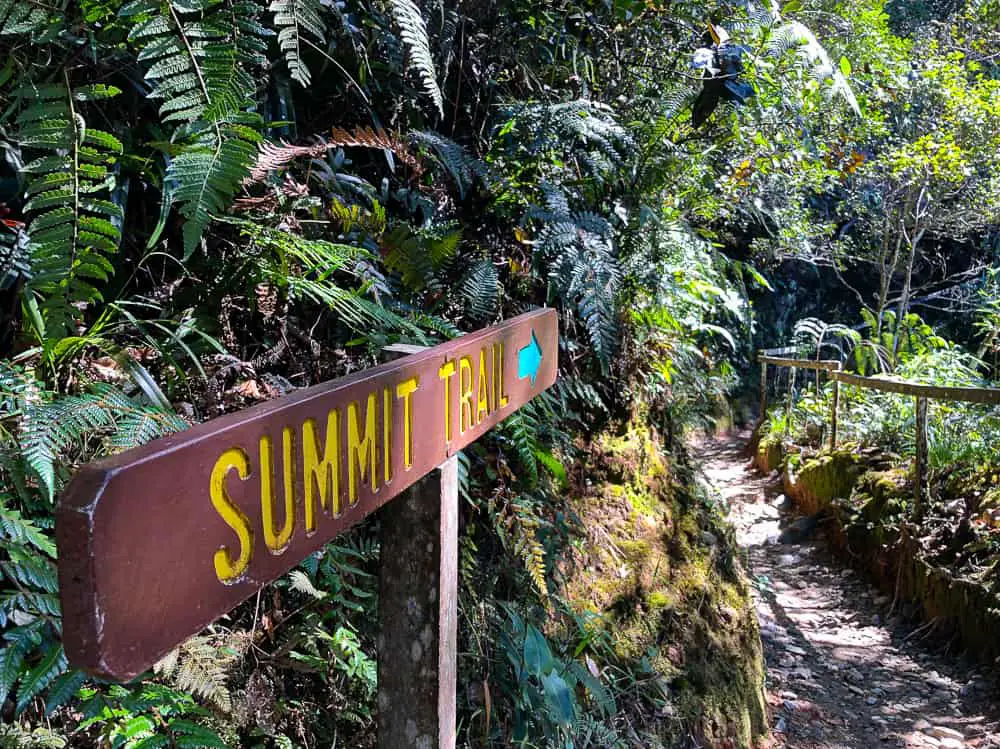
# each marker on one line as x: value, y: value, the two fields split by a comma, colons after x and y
x: 228, y: 569
x: 465, y: 392
x: 482, y: 387
x: 361, y: 456
x: 405, y: 391
x: 387, y: 434
x: 446, y: 372
x: 277, y: 541
x: 493, y: 379
x: 321, y: 477
x: 502, y: 399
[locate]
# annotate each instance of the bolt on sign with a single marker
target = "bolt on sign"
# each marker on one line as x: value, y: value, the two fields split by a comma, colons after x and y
x: 158, y: 542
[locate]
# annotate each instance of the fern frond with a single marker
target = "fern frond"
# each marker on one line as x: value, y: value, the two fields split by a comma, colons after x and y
x: 297, y: 19
x: 584, y: 267
x: 208, y: 173
x: 531, y: 551
x: 71, y: 229
x: 598, y: 691
x: 481, y: 289
x: 464, y: 168
x: 274, y: 156
x: 413, y: 31
x: 198, y: 56
x: 520, y: 431
x: 585, y: 128
x: 15, y: 257
x: 315, y: 263
x: 52, y: 664
x: 201, y: 667
x: 23, y: 17
x: 796, y: 36
x: 302, y: 583
x: 365, y: 137
x: 51, y: 430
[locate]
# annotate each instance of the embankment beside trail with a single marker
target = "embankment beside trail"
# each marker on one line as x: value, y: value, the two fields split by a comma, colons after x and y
x: 660, y: 570
x: 932, y: 568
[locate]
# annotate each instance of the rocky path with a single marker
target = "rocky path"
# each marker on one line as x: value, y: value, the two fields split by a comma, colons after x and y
x: 842, y: 672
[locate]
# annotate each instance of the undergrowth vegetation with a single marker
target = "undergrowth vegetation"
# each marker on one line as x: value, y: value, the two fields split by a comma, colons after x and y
x: 208, y: 204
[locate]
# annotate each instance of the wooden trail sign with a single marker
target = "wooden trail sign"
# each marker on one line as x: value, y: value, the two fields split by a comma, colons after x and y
x: 158, y: 542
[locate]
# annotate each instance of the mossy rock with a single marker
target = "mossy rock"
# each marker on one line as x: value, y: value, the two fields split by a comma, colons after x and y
x: 770, y: 453
x: 818, y: 481
x: 879, y: 495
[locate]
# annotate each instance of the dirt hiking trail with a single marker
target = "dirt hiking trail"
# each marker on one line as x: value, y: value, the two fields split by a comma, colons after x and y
x: 840, y: 674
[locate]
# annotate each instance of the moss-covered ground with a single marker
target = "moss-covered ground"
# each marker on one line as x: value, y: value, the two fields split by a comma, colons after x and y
x: 658, y: 569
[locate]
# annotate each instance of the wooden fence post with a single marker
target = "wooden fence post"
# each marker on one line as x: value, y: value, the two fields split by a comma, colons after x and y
x: 833, y: 412
x: 763, y: 391
x: 921, y: 467
x: 791, y: 395
x: 418, y: 615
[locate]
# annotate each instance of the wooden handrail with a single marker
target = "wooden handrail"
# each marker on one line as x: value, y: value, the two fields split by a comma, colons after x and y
x: 920, y: 392
x: 828, y: 365
x: 989, y: 396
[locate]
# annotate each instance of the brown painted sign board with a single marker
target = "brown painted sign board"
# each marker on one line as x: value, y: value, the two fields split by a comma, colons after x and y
x: 158, y: 542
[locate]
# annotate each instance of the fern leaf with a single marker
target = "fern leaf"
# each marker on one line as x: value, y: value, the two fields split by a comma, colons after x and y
x: 297, y: 19
x: 365, y: 137
x: 464, y: 168
x: 413, y: 31
x: 274, y: 156
x: 302, y: 583
x: 23, y: 17
x: 11, y: 660
x: 67, y: 257
x: 206, y: 176
x: 35, y: 681
x: 63, y: 689
x: 15, y: 257
x: 198, y: 56
x: 481, y: 289
x: 189, y: 735
x: 49, y: 430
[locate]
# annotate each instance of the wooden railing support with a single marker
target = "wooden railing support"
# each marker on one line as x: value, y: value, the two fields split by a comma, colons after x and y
x: 763, y: 391
x: 922, y: 455
x: 788, y: 406
x: 833, y: 414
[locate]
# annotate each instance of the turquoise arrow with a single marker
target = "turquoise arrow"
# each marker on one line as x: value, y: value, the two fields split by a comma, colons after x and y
x: 529, y: 359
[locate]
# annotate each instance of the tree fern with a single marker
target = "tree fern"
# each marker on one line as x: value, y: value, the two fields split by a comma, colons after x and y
x: 413, y: 31
x: 297, y: 20
x: 199, y: 55
x: 73, y: 227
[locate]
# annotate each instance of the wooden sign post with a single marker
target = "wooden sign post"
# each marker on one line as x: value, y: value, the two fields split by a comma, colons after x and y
x: 158, y: 542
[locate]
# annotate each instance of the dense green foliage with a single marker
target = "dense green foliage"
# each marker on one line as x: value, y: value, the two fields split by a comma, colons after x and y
x: 211, y: 203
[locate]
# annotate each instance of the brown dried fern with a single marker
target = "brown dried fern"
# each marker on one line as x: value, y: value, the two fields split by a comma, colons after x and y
x: 273, y: 156
x: 201, y: 666
x: 365, y: 137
